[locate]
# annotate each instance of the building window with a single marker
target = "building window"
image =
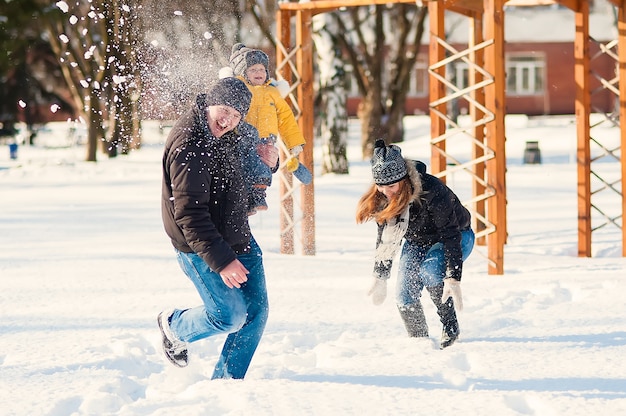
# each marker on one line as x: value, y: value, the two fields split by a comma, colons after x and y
x: 525, y: 75
x: 419, y: 80
x: 351, y: 85
x: 460, y: 71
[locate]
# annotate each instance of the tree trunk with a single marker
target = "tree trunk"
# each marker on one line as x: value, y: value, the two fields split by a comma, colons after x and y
x: 124, y: 79
x: 370, y: 124
x: 333, y: 117
x: 382, y: 60
x: 95, y: 132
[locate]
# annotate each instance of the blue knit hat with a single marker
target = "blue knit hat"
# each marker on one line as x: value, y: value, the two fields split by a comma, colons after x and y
x: 388, y: 165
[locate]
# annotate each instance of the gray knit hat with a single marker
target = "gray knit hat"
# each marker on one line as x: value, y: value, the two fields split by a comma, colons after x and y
x: 228, y: 91
x: 242, y: 58
x: 388, y: 165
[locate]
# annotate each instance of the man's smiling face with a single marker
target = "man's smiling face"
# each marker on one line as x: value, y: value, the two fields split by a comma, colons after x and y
x: 222, y: 119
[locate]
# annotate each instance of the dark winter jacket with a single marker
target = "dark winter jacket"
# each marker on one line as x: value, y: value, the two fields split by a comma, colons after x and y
x: 204, y: 198
x: 435, y: 216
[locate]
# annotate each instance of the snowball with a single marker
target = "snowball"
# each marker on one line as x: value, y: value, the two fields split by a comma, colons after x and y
x: 63, y: 6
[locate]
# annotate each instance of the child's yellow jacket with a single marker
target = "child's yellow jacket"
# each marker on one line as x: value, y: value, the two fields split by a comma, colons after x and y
x: 270, y: 114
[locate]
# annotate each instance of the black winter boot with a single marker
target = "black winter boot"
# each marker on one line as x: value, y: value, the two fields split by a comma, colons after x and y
x: 447, y: 315
x: 414, y: 320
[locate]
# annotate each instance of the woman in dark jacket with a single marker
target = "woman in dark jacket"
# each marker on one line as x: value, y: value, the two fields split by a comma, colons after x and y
x: 412, y: 206
x: 204, y: 207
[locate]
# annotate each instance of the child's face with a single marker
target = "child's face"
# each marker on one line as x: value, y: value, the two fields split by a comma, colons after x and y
x: 256, y: 74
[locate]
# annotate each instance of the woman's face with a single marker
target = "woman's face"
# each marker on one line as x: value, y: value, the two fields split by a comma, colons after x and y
x: 389, y: 190
x: 222, y: 119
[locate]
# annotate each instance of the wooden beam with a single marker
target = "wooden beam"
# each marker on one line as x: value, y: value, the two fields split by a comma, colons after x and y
x: 479, y: 171
x: 582, y: 108
x: 495, y: 101
x: 283, y: 30
x: 322, y: 6
x: 621, y: 29
x: 437, y: 89
x: 304, y: 61
x: 464, y: 6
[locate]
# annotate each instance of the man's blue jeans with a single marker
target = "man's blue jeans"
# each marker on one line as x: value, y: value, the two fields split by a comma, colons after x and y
x: 242, y: 313
x: 421, y: 267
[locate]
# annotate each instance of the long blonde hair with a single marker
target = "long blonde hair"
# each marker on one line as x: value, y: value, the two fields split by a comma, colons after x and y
x: 374, y: 205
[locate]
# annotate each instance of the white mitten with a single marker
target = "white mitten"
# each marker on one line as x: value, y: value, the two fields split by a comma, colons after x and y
x: 296, y: 150
x: 225, y: 72
x: 378, y: 291
x: 452, y: 288
x: 283, y: 87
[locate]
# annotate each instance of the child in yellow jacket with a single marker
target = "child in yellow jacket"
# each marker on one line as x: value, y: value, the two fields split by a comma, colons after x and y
x: 269, y: 112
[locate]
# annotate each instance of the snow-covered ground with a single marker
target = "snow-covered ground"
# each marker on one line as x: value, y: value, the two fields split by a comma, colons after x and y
x: 85, y: 267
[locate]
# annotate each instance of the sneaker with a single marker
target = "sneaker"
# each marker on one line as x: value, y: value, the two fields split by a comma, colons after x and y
x: 175, y: 349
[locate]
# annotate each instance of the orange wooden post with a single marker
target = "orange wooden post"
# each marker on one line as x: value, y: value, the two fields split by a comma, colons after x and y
x: 582, y: 110
x: 621, y: 29
x: 283, y: 28
x: 304, y: 59
x: 621, y: 26
x: 478, y: 56
x: 495, y: 100
x: 436, y: 54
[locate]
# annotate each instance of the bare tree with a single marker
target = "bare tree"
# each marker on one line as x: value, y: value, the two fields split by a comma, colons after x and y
x: 78, y: 36
x: 333, y: 114
x: 95, y: 42
x: 107, y: 50
x: 383, y: 58
x: 122, y: 76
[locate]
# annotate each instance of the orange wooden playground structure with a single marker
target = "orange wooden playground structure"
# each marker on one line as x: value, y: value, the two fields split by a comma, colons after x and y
x: 486, y: 94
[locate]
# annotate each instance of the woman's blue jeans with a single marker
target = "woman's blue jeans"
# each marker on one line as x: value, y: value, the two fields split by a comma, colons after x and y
x: 242, y: 313
x: 421, y: 267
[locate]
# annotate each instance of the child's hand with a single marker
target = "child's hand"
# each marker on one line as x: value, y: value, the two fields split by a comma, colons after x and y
x: 292, y: 164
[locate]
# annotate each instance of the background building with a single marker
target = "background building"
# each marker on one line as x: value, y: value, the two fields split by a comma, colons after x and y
x: 539, y: 54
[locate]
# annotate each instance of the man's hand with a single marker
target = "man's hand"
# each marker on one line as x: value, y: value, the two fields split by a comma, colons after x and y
x: 268, y: 154
x: 234, y: 274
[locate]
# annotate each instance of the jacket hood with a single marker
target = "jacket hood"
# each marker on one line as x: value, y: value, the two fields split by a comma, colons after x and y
x: 415, y: 169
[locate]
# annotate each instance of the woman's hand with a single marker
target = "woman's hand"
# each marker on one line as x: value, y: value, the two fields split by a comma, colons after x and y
x: 378, y: 291
x: 452, y: 289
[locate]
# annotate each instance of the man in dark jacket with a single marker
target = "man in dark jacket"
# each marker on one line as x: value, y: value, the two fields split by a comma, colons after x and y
x: 204, y: 208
